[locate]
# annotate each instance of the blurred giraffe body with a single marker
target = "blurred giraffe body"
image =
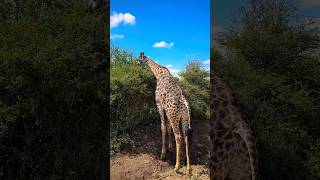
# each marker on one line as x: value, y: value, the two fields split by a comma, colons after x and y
x: 233, y: 150
x: 171, y: 101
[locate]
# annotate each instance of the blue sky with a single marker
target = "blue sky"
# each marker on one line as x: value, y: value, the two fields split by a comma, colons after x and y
x: 223, y: 11
x: 170, y: 32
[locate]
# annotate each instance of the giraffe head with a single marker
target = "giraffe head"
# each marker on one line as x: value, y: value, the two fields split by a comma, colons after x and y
x: 142, y: 58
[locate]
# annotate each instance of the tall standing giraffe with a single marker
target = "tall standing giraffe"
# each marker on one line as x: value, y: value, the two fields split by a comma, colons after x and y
x: 233, y: 150
x: 171, y: 101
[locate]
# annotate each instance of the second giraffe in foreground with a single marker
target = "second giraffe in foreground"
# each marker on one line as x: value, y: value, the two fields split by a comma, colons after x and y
x: 171, y: 101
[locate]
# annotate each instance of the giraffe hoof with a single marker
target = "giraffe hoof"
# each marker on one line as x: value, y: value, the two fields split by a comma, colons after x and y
x: 176, y: 169
x: 162, y: 157
x: 170, y: 147
x: 189, y: 171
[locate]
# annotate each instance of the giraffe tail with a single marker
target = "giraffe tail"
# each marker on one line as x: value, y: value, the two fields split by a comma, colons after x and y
x: 188, y: 117
x: 188, y: 113
x: 189, y: 135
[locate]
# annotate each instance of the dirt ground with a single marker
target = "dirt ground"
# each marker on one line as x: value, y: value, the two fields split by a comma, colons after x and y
x: 143, y: 160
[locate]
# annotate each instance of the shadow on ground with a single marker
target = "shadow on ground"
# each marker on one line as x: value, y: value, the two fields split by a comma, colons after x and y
x: 143, y: 160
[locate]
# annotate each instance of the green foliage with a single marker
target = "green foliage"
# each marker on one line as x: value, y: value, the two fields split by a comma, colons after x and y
x: 280, y: 113
x: 314, y: 159
x: 195, y: 84
x: 273, y: 74
x: 272, y: 39
x: 132, y: 101
x: 52, y: 93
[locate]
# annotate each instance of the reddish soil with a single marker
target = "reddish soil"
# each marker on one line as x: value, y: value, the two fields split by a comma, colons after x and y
x: 143, y: 160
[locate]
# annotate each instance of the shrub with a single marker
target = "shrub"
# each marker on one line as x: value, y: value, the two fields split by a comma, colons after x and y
x: 132, y: 103
x: 52, y: 93
x: 195, y: 84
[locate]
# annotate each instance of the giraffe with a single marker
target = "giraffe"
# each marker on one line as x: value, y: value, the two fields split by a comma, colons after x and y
x: 233, y: 149
x: 171, y: 102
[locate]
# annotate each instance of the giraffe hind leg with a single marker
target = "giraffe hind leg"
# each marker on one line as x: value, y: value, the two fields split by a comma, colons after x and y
x: 175, y: 121
x: 163, y: 131
x: 186, y: 138
x: 178, y: 151
x: 169, y: 129
x: 187, y: 133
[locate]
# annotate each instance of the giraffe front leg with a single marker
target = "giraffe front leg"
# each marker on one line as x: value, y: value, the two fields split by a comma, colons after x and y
x: 163, y: 131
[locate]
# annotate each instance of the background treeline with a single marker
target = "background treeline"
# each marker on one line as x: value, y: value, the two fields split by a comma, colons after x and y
x: 53, y: 81
x: 132, y: 95
x: 271, y: 59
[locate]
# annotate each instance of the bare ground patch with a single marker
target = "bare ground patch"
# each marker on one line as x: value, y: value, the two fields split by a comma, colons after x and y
x: 143, y: 160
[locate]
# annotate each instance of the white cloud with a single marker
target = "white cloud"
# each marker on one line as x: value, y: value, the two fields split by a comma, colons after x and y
x: 118, y: 18
x: 116, y: 36
x: 206, y: 62
x: 162, y: 44
x: 174, y: 72
x: 179, y: 77
x: 311, y: 2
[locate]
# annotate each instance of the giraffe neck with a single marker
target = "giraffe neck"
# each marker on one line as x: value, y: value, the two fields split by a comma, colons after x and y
x: 157, y: 69
x: 217, y: 83
x: 223, y: 98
